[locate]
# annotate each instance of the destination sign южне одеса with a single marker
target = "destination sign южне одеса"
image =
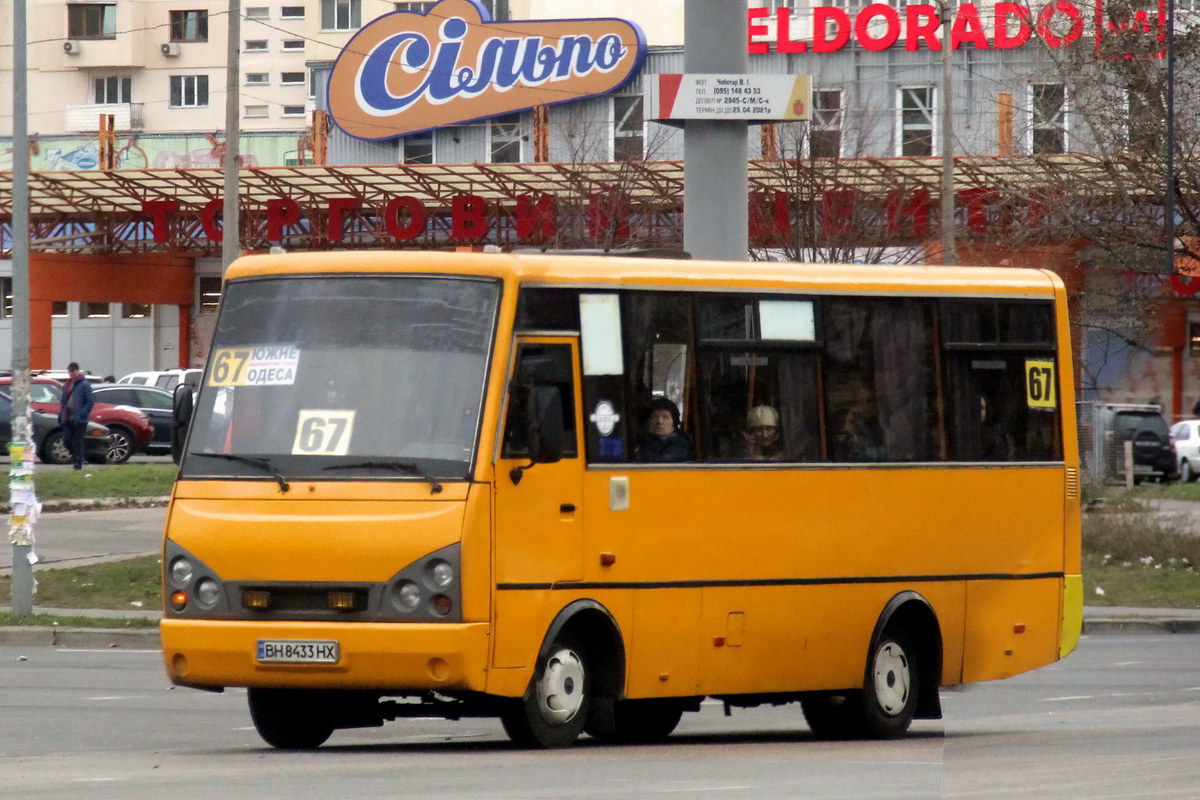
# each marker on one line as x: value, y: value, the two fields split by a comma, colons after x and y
x: 407, y: 72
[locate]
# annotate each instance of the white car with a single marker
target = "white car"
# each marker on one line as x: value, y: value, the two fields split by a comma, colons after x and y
x: 1187, y: 448
x: 166, y: 379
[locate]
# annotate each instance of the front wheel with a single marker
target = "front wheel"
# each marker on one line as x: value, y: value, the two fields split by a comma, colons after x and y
x: 290, y: 719
x: 555, y: 706
x: 1185, y: 473
x: 889, y: 696
x: 120, y: 446
x: 54, y: 449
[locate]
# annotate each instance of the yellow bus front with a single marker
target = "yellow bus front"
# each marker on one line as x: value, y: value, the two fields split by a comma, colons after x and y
x: 329, y: 482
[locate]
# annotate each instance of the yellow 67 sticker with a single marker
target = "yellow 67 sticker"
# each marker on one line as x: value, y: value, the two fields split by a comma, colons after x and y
x: 1040, y: 384
x: 322, y: 432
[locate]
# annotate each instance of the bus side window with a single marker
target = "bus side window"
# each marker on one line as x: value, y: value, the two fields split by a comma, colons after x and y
x: 540, y: 365
x: 880, y: 380
x: 656, y: 330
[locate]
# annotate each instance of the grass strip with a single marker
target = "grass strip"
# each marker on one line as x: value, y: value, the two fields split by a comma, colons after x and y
x: 135, y: 584
x: 106, y: 480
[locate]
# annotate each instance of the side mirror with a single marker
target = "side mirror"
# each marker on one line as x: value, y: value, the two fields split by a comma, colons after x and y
x: 181, y: 416
x: 545, y: 431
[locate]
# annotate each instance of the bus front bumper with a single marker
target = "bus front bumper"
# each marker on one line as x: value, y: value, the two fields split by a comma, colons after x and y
x: 386, y: 656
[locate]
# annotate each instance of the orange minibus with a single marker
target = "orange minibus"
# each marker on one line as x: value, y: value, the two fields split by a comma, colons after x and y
x: 583, y: 493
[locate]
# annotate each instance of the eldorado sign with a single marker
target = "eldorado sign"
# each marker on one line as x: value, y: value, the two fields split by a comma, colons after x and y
x: 407, y: 72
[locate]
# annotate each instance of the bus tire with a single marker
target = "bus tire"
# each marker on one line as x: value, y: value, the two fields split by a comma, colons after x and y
x: 641, y: 721
x: 290, y: 719
x: 892, y: 684
x: 555, y: 706
x: 835, y: 716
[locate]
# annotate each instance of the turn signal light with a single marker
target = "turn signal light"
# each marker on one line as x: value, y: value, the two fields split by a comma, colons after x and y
x: 179, y: 600
x: 341, y: 601
x: 256, y: 600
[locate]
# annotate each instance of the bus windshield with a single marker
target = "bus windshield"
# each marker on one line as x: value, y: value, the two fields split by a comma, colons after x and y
x: 344, y: 377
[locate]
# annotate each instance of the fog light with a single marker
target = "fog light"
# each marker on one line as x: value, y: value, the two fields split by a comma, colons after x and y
x: 441, y: 605
x: 256, y: 600
x: 179, y: 600
x: 341, y: 601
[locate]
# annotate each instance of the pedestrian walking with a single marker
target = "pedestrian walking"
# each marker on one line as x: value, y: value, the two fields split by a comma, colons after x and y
x: 74, y: 412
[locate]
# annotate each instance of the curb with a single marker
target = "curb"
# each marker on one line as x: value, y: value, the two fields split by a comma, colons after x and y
x: 90, y: 638
x: 1133, y: 626
x: 95, y: 504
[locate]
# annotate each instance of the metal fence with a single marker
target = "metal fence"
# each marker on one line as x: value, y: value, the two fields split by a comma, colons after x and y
x: 1096, y: 465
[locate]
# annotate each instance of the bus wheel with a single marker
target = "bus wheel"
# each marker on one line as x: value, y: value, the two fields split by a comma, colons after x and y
x: 889, y: 700
x: 290, y: 719
x: 642, y: 721
x: 555, y: 706
x: 835, y: 716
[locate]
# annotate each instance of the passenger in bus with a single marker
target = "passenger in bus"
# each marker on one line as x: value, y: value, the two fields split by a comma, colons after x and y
x: 861, y: 436
x: 663, y: 441
x: 997, y: 444
x: 763, y: 442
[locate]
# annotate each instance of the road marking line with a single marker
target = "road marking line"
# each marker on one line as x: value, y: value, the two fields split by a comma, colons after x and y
x: 1071, y: 697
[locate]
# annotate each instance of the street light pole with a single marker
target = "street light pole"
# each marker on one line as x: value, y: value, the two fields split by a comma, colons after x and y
x: 231, y: 164
x: 1169, y: 196
x: 949, y: 249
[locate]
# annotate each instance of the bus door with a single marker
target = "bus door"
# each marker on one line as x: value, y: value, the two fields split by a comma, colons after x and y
x: 539, y: 507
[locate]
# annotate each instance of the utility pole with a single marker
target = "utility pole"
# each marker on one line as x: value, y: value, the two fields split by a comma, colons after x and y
x: 949, y: 250
x: 1169, y: 195
x: 20, y: 455
x: 230, y: 219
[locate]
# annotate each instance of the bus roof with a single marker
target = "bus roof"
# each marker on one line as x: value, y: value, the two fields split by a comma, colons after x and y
x: 600, y: 271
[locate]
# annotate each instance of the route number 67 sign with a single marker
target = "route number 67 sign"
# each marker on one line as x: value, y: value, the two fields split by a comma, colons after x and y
x: 1040, y: 385
x: 321, y: 432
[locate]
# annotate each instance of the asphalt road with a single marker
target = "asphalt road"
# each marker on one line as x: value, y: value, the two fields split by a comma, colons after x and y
x: 1120, y: 718
x: 69, y: 538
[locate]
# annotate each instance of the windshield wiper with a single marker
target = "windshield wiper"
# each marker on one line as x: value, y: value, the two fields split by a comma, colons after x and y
x: 396, y: 466
x: 262, y: 463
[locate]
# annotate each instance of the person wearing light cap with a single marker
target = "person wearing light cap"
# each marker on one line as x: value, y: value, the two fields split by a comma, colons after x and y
x: 762, y: 435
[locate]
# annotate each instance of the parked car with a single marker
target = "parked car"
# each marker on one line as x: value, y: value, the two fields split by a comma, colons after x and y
x: 1153, y: 447
x: 154, y: 403
x: 47, y: 435
x: 1187, y: 449
x: 166, y: 379
x: 129, y: 430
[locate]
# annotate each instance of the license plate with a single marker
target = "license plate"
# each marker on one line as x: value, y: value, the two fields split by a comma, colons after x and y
x: 297, y: 651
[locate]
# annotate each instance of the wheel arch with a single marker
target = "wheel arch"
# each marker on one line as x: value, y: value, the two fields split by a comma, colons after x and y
x: 912, y: 611
x: 594, y: 625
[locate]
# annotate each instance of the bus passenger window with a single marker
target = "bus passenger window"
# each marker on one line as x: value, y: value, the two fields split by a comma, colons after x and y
x: 539, y: 365
x: 656, y: 330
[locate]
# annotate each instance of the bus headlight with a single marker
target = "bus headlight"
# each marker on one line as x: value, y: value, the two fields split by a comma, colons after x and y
x: 406, y: 596
x: 207, y: 592
x: 441, y: 573
x: 182, y: 572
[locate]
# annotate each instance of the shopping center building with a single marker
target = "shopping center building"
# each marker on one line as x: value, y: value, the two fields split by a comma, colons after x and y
x: 126, y: 268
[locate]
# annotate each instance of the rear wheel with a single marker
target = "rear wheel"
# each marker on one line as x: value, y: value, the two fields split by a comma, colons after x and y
x: 120, y: 446
x: 291, y: 719
x: 555, y: 706
x: 1185, y: 472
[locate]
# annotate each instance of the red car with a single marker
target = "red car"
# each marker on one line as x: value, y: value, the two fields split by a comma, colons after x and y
x: 129, y: 430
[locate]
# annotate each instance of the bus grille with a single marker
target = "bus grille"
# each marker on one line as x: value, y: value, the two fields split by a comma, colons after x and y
x: 1072, y: 483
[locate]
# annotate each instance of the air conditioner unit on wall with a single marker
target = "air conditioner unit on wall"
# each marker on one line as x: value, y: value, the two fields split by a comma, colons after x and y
x: 71, y: 47
x: 170, y: 49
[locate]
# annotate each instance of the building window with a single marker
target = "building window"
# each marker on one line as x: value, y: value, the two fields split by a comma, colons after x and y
x: 293, y: 111
x: 189, y: 26
x: 113, y: 89
x: 58, y: 308
x: 289, y: 78
x: 1048, y: 118
x: 1193, y: 332
x: 210, y: 294
x: 341, y: 15
x: 314, y: 82
x: 291, y: 12
x: 258, y: 78
x: 419, y: 6
x: 255, y: 46
x: 629, y: 135
x: 189, y: 91
x: 417, y: 148
x: 258, y: 12
x: 916, y: 121
x: 94, y: 311
x: 825, y: 132
x: 6, y: 293
x: 498, y: 9
x: 292, y: 45
x: 135, y: 310
x: 256, y: 111
x: 91, y: 21
x: 506, y: 139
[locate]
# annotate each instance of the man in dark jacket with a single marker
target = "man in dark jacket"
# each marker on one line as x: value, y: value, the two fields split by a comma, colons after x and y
x: 74, y: 412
